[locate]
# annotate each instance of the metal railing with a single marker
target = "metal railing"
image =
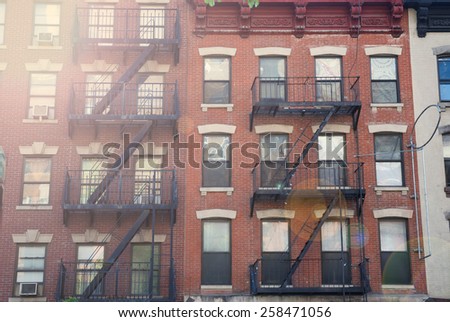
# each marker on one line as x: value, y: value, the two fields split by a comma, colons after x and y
x: 132, y: 281
x: 304, y: 91
x: 329, y: 175
x: 141, y: 101
x: 135, y: 189
x: 105, y: 24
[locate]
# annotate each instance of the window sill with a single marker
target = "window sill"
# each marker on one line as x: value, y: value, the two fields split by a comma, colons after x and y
x: 204, y: 190
x: 37, y: 121
x: 216, y: 287
x: 398, y: 287
x: 229, y: 107
x: 37, y: 207
x: 375, y: 106
x: 28, y: 299
x: 46, y: 47
x: 380, y: 190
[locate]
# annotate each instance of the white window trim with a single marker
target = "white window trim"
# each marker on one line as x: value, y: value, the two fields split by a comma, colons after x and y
x: 393, y: 213
x: 441, y: 50
x: 328, y: 50
x: 223, y: 51
x: 43, y: 65
x: 38, y: 148
x: 91, y: 236
x: 205, y: 107
x: 152, y: 66
x: 376, y: 106
x: 99, y: 66
x: 335, y: 128
x: 216, y: 213
x: 153, y: 1
x: 216, y: 128
x: 335, y: 213
x: 274, y: 128
x: 275, y: 213
x: 204, y: 190
x: 94, y: 148
x: 380, y: 189
x: 32, y: 236
x: 3, y: 66
x: 272, y: 51
x: 395, y: 128
x: 383, y: 50
x: 145, y: 236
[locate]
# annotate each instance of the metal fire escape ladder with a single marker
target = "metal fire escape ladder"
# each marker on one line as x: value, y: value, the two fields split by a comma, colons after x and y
x: 310, y: 241
x: 97, y: 280
x: 117, y: 88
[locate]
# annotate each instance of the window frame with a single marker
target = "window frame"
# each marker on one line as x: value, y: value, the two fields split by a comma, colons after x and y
x: 31, y: 95
x: 3, y: 24
x: 100, y: 288
x: 397, y: 81
x: 228, y: 82
x: 280, y: 163
x: 326, y: 164
x: 277, y: 81
x: 401, y: 161
x: 156, y: 269
x: 227, y: 164
x: 96, y: 27
x: 37, y: 26
x: 40, y: 285
x: 329, y: 79
x: 24, y: 182
x: 441, y: 81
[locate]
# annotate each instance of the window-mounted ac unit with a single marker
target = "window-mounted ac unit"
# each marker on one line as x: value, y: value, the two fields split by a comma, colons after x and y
x: 45, y: 37
x: 28, y: 289
x: 40, y: 111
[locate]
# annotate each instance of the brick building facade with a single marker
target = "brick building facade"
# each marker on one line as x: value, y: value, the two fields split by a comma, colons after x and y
x: 258, y: 152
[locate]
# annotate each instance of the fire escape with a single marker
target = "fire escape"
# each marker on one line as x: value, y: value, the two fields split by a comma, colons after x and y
x: 317, y: 191
x: 139, y: 106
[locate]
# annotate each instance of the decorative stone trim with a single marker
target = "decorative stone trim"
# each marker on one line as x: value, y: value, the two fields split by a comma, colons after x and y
x: 275, y: 213
x: 274, y: 128
x: 336, y: 128
x: 204, y: 190
x: 152, y: 66
x: 392, y: 212
x: 205, y: 107
x: 91, y: 236
x: 43, y: 65
x: 336, y: 213
x: 99, y: 66
x: 216, y: 128
x: 272, y: 51
x: 145, y: 236
x: 216, y: 213
x: 380, y: 190
x: 28, y: 299
x: 375, y: 106
x: 225, y: 51
x: 32, y: 236
x: 398, y: 128
x: 39, y: 121
x: 34, y: 208
x: 38, y: 148
x: 101, y: 1
x: 383, y: 50
x: 151, y: 150
x: 94, y: 148
x: 217, y: 287
x: 328, y: 50
x: 441, y: 50
x: 153, y: 1
x: 445, y: 129
x: 397, y: 287
x: 45, y: 47
x: 3, y: 66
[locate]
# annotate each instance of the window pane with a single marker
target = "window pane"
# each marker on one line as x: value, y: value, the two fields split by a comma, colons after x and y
x: 273, y: 147
x: 217, y: 93
x: 37, y: 170
x: 331, y: 147
x: 216, y: 148
x: 92, y: 253
x: 393, y: 236
x: 389, y: 173
x: 383, y: 68
x: 2, y: 13
x: 36, y: 194
x: 47, y: 14
x: 216, y: 236
x: 388, y: 147
x: 217, y: 68
x: 328, y: 91
x: 275, y: 236
x: 328, y: 67
x: 31, y: 257
x: 444, y: 68
x: 272, y: 67
x: 331, y: 236
x: 384, y: 92
x: 30, y: 277
x: 444, y: 90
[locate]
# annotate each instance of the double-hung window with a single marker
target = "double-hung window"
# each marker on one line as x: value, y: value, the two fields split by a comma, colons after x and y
x: 389, y: 159
x: 89, y: 263
x: 384, y: 77
x: 272, y: 73
x: 42, y: 96
x: 46, y: 24
x: 30, y: 270
x: 216, y: 84
x: 36, y: 181
x: 332, y: 166
x: 328, y: 79
x: 273, y: 159
x: 444, y: 78
x: 144, y: 281
x: 101, y: 22
x: 216, y: 160
x: 151, y: 22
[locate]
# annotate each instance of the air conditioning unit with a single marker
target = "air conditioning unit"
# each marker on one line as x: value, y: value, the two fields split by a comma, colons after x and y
x: 45, y: 37
x: 28, y: 289
x: 40, y: 111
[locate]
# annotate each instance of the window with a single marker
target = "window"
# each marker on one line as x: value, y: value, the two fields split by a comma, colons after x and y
x: 275, y: 263
x: 89, y: 263
x: 147, y: 184
x: 384, y: 80
x: 389, y: 159
x: 36, y: 181
x: 328, y: 79
x: 446, y: 144
x: 42, y: 96
x: 97, y: 86
x: 272, y: 73
x: 216, y: 161
x: 151, y: 23
x: 216, y: 86
x: 30, y: 270
x: 46, y: 24
x: 101, y: 22
x: 216, y: 252
x: 444, y: 78
x: 142, y: 280
x: 273, y: 159
x: 151, y: 95
x: 332, y: 166
x: 335, y: 253
x: 2, y: 22
x: 92, y: 174
x: 395, y: 261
